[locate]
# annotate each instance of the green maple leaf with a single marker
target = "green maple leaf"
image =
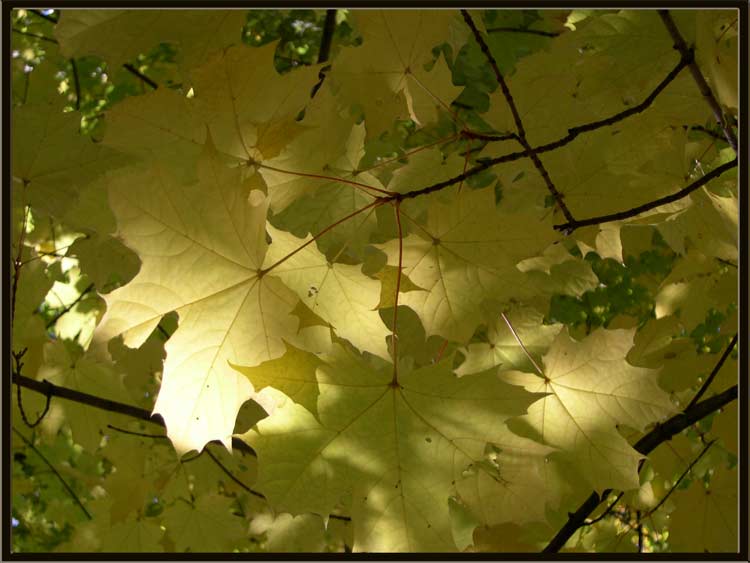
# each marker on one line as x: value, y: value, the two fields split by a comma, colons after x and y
x: 206, y: 524
x: 317, y: 204
x: 246, y: 123
x: 203, y: 261
x: 51, y: 160
x: 592, y: 390
x: 705, y: 517
x: 387, y: 75
x: 118, y: 36
x: 411, y: 443
x: 466, y: 245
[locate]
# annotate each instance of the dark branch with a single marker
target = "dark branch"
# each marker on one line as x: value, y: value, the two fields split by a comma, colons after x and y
x: 705, y: 90
x: 716, y: 369
x: 52, y: 468
x: 135, y: 72
x: 572, y: 134
x: 67, y: 309
x: 329, y: 27
x: 706, y: 130
x: 35, y: 35
x: 76, y: 83
x: 517, y: 117
x: 140, y: 434
x: 660, y: 434
x: 522, y: 30
x: 17, y: 356
x: 45, y: 387
x: 44, y: 16
x: 570, y: 226
x: 488, y: 136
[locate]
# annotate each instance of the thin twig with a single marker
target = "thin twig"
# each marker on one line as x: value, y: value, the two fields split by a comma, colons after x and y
x: 570, y: 226
x: 44, y: 16
x: 607, y: 511
x: 517, y: 118
x: 76, y: 83
x: 232, y: 476
x: 140, y: 434
x: 520, y: 343
x: 135, y: 72
x: 35, y: 35
x: 52, y: 468
x: 17, y: 356
x: 714, y: 371
x: 17, y: 264
x: 522, y: 30
x: 640, y: 531
x: 572, y: 134
x: 706, y: 130
x: 67, y: 309
x: 705, y: 89
x: 680, y: 479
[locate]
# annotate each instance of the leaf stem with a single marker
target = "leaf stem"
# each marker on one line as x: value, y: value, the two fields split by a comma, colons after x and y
x: 520, y: 343
x: 375, y: 203
x: 398, y: 289
x: 357, y: 185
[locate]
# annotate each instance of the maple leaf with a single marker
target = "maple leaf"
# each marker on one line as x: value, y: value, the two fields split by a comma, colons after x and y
x: 466, y: 245
x: 387, y: 75
x: 199, y: 258
x: 246, y: 123
x: 592, y: 390
x: 705, y: 517
x: 429, y: 417
x: 118, y: 36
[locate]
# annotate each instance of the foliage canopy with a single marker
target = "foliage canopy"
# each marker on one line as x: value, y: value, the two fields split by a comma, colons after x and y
x: 387, y: 280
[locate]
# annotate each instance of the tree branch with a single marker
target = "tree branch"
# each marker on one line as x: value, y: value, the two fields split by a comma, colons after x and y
x: 35, y: 35
x: 573, y: 132
x: 570, y: 226
x: 76, y: 83
x: 329, y: 27
x: 517, y: 117
x: 45, y: 387
x: 522, y: 30
x: 680, y: 479
x: 660, y: 434
x: 135, y: 72
x: 705, y: 89
x: 52, y: 468
x: 67, y: 309
x: 39, y: 13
